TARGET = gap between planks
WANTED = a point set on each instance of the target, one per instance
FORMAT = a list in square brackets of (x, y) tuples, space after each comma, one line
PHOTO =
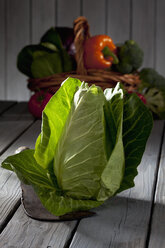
[(10, 215), (4, 106)]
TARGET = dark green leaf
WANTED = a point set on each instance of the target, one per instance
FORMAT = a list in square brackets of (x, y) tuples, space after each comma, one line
[(27, 55), (113, 173), (27, 169), (66, 61), (46, 65), (53, 37), (137, 125)]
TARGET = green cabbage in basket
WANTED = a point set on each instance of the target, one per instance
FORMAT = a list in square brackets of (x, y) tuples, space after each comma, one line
[(89, 148)]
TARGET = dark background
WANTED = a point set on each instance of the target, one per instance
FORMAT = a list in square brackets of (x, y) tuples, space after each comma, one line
[(23, 22)]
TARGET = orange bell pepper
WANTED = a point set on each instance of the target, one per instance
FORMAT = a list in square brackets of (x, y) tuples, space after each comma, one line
[(94, 48)]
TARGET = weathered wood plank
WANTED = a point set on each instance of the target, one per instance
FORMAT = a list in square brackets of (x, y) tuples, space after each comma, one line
[(5, 105), (118, 20), (28, 139), (123, 220), (95, 11), (10, 193), (9, 184), (17, 36), (18, 112), (43, 18), (160, 36), (2, 49), (143, 28), (158, 219), (22, 231), (9, 131), (67, 12)]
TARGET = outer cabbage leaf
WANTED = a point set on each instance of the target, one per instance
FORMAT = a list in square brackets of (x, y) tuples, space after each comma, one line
[(113, 173), (137, 125), (59, 205), (80, 156), (27, 169), (29, 172), (54, 117)]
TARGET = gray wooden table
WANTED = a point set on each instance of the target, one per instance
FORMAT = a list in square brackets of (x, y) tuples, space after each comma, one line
[(134, 218)]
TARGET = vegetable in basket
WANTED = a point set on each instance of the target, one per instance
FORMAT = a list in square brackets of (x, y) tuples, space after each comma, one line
[(89, 148), (66, 35), (153, 88), (38, 102), (99, 52), (46, 58), (130, 57)]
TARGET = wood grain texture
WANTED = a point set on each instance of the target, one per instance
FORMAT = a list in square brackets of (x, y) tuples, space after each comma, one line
[(123, 220), (160, 36), (9, 184), (26, 139), (10, 130), (10, 193), (158, 219), (18, 112), (143, 28), (118, 20), (42, 18), (95, 12), (6, 105), (2, 50), (17, 36), (23, 231), (67, 12)]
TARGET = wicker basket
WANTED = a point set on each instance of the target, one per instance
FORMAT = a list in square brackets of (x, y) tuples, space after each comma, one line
[(102, 78)]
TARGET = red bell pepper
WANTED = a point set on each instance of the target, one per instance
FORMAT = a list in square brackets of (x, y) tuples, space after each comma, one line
[(94, 50)]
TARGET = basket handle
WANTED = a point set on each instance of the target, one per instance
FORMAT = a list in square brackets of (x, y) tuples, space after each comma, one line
[(81, 32)]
